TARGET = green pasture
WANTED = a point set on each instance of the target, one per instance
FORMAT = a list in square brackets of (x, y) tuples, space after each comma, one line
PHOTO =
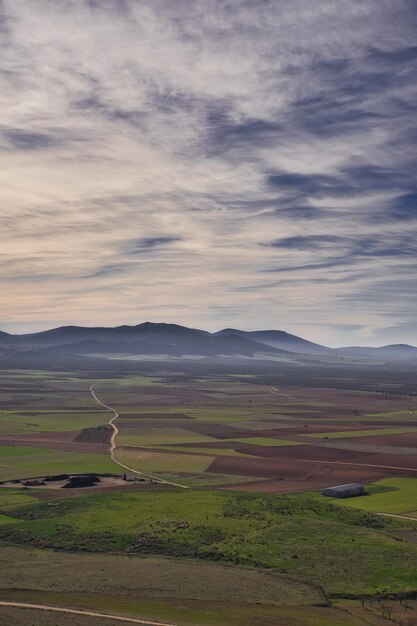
[(15, 423), (343, 550), (266, 441), (211, 451), (14, 497), (107, 384), (28, 462), (399, 498), (5, 520)]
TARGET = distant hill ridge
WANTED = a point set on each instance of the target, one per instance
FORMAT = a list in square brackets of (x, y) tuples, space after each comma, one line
[(150, 338)]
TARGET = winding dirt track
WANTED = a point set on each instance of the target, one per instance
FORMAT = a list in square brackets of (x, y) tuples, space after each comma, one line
[(46, 607), (413, 519), (113, 444)]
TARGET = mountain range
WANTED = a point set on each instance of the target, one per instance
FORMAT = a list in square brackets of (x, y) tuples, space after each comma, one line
[(171, 340)]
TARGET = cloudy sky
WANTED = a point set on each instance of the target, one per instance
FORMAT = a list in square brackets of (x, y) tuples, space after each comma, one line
[(221, 163)]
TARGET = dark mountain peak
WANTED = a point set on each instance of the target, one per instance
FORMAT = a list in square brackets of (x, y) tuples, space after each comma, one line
[(162, 327)]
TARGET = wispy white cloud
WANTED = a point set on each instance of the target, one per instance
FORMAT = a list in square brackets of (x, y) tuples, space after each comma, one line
[(152, 154)]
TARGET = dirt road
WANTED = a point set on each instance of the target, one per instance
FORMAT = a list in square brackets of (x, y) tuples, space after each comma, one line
[(55, 609), (413, 519), (113, 444)]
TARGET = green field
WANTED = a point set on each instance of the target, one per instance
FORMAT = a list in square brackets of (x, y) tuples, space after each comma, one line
[(14, 497), (210, 451), (399, 498), (11, 423), (266, 441), (25, 462)]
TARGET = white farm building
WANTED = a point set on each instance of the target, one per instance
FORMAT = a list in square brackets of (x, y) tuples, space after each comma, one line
[(344, 491)]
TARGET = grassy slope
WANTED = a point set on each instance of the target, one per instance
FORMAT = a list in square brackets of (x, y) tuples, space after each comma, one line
[(344, 551)]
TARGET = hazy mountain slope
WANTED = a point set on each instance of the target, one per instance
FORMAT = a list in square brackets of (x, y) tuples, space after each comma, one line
[(279, 339), (394, 351), (141, 332), (147, 338), (210, 346)]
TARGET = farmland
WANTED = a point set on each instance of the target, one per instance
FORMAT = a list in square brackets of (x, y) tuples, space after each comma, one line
[(197, 428), (236, 427), (391, 495), (250, 541)]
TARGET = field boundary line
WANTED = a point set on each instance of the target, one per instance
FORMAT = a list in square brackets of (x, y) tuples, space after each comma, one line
[(57, 609), (113, 444)]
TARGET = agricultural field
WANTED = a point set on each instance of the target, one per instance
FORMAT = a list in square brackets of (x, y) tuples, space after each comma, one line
[(50, 424), (249, 540), (391, 495), (280, 438), (201, 430)]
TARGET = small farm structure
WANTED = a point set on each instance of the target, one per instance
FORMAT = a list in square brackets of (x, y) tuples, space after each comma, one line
[(344, 491), (129, 477)]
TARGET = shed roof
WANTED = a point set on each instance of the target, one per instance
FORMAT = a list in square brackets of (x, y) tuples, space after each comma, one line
[(346, 487)]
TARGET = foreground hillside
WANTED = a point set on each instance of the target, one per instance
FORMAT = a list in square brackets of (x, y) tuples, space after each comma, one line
[(343, 552)]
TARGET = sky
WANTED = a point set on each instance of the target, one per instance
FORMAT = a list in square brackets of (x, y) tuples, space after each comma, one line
[(213, 164)]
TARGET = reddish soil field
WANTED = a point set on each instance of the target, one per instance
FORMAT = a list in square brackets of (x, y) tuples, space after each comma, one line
[(262, 468), (330, 477), (64, 441), (301, 469), (394, 460), (140, 426), (99, 434), (309, 453), (404, 440), (154, 416), (325, 427)]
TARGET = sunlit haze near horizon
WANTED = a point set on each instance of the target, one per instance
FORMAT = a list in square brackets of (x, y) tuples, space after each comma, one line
[(211, 164)]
